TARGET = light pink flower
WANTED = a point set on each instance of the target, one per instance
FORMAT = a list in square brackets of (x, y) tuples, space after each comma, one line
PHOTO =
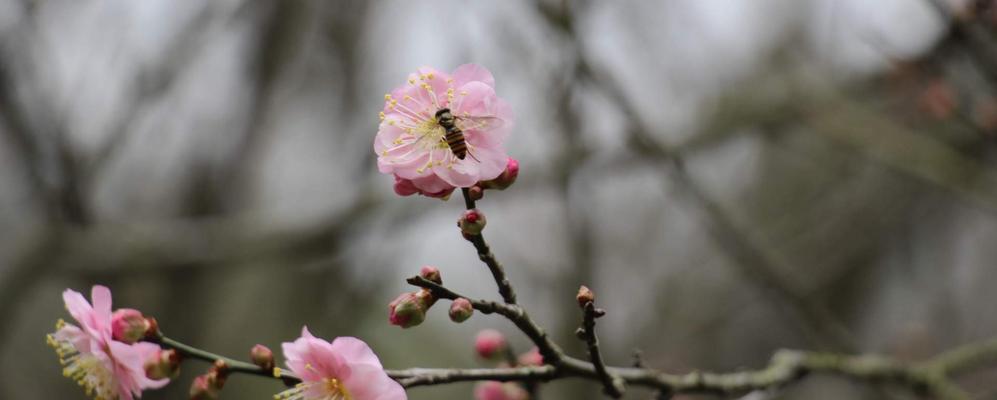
[(410, 141), (106, 368), (344, 369)]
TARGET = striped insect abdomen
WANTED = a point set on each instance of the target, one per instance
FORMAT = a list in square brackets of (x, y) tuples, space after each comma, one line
[(455, 139)]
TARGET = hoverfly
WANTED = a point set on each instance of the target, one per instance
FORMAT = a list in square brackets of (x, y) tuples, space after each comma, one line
[(454, 137)]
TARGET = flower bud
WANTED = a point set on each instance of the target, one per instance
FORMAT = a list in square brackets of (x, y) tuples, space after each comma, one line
[(164, 364), (460, 310), (506, 179), (432, 274), (407, 310), (584, 296), (489, 344), (262, 356), (471, 222), (203, 389), (531, 358), (476, 192), (128, 325), (495, 390)]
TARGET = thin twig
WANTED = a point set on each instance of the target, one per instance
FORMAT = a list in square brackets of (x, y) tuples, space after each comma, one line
[(485, 254), (234, 366), (612, 386)]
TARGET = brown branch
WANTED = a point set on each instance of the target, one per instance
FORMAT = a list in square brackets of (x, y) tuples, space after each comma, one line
[(612, 386), (550, 351), (786, 367), (486, 256), (436, 376)]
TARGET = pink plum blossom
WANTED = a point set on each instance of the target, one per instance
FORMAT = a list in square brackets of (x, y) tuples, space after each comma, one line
[(410, 141), (344, 369), (106, 368)]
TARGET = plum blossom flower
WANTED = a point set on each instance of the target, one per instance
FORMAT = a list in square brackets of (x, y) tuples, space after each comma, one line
[(345, 369), (410, 141), (106, 368)]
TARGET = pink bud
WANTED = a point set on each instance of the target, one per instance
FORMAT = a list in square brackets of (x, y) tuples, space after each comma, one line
[(164, 364), (203, 389), (584, 296), (128, 325), (407, 310), (460, 310), (489, 344), (531, 358), (431, 273), (471, 222), (262, 356), (494, 390), (476, 192), (506, 179)]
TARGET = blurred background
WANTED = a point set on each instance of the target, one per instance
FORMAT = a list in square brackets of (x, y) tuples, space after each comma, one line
[(730, 178)]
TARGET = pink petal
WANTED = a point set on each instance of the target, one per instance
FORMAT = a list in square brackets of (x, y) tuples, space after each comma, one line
[(471, 73), (354, 351), (372, 383), (475, 99), (101, 297), (78, 307)]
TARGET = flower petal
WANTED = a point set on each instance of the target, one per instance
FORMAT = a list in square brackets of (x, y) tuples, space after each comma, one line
[(472, 73)]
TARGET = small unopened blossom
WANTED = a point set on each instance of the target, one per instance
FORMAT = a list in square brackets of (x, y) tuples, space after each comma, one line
[(408, 309), (506, 179), (490, 344), (343, 369), (411, 142), (495, 390), (476, 192), (472, 222), (262, 356), (584, 296), (460, 310), (202, 388), (531, 358), (209, 385), (165, 364), (104, 367), (129, 325), (431, 274)]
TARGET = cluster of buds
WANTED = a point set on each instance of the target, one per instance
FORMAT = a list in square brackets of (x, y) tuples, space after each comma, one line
[(207, 386), (491, 345), (409, 309), (130, 326), (163, 364)]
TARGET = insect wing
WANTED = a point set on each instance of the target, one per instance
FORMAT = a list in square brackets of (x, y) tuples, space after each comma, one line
[(478, 123)]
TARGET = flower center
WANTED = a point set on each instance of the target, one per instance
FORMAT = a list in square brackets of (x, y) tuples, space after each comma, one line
[(325, 389), (87, 370)]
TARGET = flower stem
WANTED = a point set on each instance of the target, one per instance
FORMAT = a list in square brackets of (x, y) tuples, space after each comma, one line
[(234, 365), (486, 256)]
